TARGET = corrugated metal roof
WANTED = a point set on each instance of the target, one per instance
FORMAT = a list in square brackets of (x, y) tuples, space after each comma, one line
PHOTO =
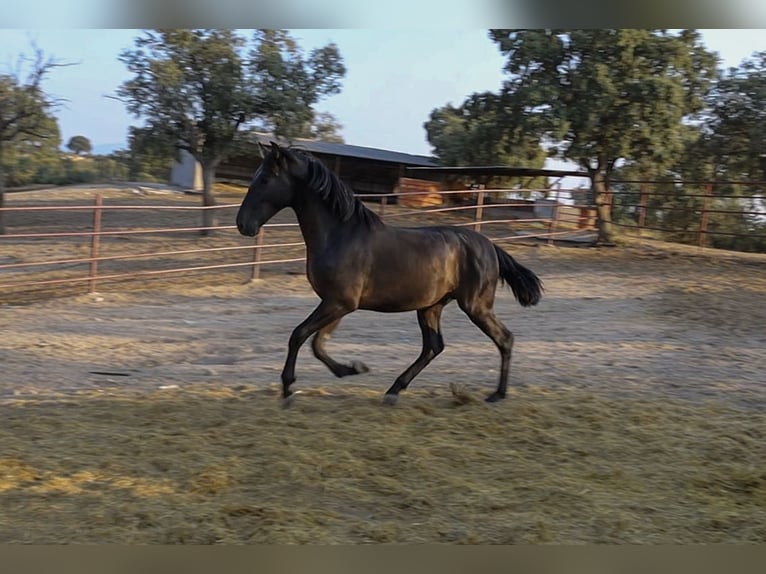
[(356, 151), (500, 170)]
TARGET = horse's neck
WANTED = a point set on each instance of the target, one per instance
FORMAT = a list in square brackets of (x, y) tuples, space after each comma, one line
[(317, 221)]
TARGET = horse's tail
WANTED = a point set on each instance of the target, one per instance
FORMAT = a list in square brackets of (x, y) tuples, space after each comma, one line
[(526, 286)]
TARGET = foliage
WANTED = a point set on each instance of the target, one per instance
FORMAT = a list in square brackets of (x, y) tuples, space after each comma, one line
[(323, 127), (79, 145), (26, 121), (600, 96), (291, 83), (477, 133), (195, 89), (727, 147), (149, 157), (735, 131)]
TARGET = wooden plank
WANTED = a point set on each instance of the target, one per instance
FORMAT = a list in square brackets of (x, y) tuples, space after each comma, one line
[(427, 192)]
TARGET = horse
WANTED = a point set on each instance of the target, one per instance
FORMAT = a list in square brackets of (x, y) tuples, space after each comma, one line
[(356, 261)]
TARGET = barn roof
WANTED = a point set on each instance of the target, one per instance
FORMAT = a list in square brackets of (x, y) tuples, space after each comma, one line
[(497, 170), (356, 151)]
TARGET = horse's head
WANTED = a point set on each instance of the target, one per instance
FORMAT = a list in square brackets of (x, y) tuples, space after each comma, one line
[(272, 189)]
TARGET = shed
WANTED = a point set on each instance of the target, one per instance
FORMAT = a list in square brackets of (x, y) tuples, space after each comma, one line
[(365, 169)]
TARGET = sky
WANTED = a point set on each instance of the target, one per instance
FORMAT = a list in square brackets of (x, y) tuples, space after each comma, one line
[(394, 78)]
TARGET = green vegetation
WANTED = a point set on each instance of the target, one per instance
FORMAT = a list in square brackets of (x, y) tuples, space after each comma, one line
[(28, 128), (195, 90)]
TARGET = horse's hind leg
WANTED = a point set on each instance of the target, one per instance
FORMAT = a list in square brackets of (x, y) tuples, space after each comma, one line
[(479, 310), (338, 369), (429, 320)]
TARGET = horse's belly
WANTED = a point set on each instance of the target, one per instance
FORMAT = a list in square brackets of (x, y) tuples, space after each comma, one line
[(406, 292)]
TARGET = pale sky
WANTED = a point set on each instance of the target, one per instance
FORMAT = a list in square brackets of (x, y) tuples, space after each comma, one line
[(394, 78)]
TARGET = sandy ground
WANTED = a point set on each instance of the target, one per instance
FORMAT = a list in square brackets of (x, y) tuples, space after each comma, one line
[(645, 320)]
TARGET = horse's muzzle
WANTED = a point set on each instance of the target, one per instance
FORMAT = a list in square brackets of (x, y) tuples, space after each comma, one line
[(247, 228)]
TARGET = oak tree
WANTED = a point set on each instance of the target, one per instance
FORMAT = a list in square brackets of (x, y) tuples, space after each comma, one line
[(599, 97), (197, 88)]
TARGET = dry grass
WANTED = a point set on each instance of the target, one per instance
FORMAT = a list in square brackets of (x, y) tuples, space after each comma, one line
[(231, 466)]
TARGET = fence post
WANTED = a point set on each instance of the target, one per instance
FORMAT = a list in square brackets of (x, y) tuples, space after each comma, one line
[(383, 201), (704, 214), (554, 219), (609, 201), (255, 271), (95, 242), (642, 208), (479, 209)]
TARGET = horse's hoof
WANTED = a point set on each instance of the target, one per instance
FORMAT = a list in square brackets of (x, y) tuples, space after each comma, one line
[(359, 367), (288, 401), (390, 399), (494, 397)]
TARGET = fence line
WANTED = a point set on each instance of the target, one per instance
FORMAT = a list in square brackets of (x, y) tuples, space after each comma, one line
[(548, 221), (23, 272), (140, 255), (703, 210)]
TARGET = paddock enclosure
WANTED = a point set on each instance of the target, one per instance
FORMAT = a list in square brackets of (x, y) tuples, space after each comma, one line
[(149, 412)]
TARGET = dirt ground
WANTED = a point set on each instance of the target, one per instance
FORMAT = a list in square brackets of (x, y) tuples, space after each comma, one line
[(647, 360), (644, 320)]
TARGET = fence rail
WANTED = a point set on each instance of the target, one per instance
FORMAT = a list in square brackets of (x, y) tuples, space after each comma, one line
[(505, 220), (691, 209), (99, 246)]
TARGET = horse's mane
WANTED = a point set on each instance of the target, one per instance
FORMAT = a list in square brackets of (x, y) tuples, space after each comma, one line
[(335, 194)]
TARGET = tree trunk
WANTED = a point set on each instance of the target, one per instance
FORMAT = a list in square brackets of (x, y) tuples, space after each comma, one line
[(2, 192), (209, 216), (603, 207)]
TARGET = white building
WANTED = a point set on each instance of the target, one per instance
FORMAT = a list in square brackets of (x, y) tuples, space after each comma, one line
[(187, 173)]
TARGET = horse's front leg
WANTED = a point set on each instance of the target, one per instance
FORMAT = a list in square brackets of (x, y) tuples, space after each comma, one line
[(337, 369), (325, 314)]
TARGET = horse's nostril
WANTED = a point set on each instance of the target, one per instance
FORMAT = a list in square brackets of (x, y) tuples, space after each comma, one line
[(246, 229)]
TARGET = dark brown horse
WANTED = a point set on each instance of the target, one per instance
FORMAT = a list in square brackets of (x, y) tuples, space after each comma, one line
[(355, 261)]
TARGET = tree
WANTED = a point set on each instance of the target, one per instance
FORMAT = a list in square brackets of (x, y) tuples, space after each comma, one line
[(323, 127), (149, 157), (26, 119), (37, 160), (197, 88), (598, 97), (79, 144), (734, 140), (292, 83), (735, 130), (478, 133)]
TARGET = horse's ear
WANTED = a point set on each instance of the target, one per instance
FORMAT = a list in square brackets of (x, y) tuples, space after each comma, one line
[(276, 150), (263, 150)]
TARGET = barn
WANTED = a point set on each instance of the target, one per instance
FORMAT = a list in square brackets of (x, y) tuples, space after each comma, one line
[(365, 169), (369, 170)]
